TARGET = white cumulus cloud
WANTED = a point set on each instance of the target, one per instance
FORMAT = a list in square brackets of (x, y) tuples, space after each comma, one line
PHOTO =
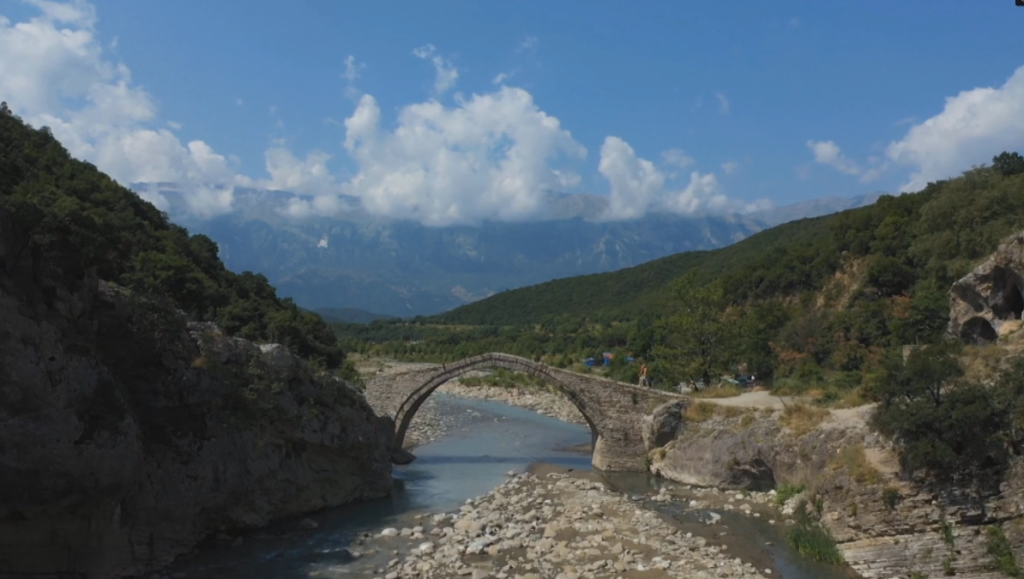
[(638, 186), (489, 157), (636, 183), (445, 72), (676, 158), (309, 176), (53, 72), (829, 153), (973, 127), (351, 73)]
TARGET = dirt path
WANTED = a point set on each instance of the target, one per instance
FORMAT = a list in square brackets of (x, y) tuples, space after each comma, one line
[(760, 399)]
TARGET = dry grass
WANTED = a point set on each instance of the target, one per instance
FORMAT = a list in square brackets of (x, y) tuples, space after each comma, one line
[(851, 399), (838, 398), (801, 418), (703, 411), (723, 392), (982, 363), (855, 461)]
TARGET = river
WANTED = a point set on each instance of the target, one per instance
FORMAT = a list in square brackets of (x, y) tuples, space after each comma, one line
[(488, 440)]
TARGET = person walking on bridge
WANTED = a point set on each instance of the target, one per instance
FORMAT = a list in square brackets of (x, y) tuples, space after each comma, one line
[(643, 375)]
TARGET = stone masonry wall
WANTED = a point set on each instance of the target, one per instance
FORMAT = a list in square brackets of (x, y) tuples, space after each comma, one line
[(614, 410)]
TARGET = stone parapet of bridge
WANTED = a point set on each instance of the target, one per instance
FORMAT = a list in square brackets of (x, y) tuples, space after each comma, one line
[(614, 410)]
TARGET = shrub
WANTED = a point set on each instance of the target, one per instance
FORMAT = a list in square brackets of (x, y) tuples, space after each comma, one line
[(890, 498), (721, 392), (787, 491), (1002, 555), (812, 540)]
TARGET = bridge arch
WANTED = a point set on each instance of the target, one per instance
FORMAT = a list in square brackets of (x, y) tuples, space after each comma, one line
[(407, 408), (616, 412)]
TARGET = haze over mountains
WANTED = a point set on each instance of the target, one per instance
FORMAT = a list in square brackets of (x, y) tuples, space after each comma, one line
[(403, 268)]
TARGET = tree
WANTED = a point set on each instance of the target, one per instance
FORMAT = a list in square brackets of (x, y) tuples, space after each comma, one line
[(952, 428), (926, 373), (928, 315), (1008, 164), (762, 323), (890, 276), (697, 338)]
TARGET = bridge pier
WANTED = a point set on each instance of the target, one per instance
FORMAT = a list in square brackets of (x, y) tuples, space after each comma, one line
[(618, 456)]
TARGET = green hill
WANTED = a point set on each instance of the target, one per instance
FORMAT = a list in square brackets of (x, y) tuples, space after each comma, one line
[(349, 315), (628, 293), (935, 234), (830, 294), (78, 221)]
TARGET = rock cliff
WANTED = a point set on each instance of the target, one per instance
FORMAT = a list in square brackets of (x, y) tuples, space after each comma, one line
[(987, 303), (128, 434), (885, 526)]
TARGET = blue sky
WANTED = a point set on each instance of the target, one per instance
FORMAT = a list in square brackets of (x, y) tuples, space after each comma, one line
[(681, 106)]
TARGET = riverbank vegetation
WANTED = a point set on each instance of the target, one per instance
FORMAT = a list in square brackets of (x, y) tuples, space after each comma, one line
[(811, 539)]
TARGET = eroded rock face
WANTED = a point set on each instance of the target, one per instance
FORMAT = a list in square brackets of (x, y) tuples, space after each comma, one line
[(664, 424), (721, 453), (128, 435), (988, 302), (885, 526)]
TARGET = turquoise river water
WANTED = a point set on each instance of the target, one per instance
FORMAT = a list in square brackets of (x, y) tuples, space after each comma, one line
[(489, 440)]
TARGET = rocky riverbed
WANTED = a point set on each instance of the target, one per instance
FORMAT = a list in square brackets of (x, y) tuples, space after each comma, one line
[(544, 402), (432, 421), (549, 524)]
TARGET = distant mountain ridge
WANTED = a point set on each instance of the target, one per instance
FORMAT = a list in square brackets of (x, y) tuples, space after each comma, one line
[(403, 268), (812, 208)]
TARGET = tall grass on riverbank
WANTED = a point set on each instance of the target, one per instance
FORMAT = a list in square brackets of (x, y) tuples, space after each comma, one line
[(812, 540)]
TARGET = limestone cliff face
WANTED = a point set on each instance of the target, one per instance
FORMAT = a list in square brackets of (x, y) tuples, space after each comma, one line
[(127, 435), (988, 302), (885, 526)]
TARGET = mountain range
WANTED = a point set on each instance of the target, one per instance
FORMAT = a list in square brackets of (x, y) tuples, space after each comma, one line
[(357, 261)]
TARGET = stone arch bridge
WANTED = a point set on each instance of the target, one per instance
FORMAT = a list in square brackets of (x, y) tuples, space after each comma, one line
[(614, 410)]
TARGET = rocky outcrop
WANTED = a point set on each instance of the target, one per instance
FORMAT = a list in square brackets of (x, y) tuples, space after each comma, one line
[(885, 526), (749, 453), (987, 303), (664, 424), (127, 435)]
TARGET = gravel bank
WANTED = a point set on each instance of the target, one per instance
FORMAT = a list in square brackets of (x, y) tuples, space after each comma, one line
[(553, 525), (543, 402), (433, 420)]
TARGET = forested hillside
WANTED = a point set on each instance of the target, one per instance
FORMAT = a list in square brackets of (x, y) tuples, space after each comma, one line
[(77, 219), (830, 294)]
